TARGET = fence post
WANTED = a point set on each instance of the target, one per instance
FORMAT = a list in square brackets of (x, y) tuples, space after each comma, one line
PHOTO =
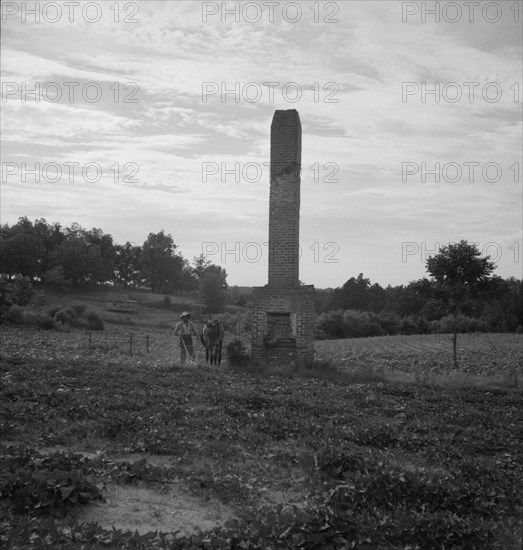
[(147, 343), (131, 343), (90, 341)]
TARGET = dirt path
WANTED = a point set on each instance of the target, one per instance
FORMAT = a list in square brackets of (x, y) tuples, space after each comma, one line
[(144, 510)]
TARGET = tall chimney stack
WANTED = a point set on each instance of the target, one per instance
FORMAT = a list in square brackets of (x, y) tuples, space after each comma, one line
[(283, 313), (284, 201)]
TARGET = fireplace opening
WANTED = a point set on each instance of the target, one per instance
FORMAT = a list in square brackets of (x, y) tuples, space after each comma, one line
[(281, 328)]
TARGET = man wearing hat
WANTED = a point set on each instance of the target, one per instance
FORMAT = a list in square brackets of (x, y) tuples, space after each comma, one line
[(185, 330)]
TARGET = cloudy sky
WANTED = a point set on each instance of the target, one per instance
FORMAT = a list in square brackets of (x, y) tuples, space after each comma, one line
[(156, 115)]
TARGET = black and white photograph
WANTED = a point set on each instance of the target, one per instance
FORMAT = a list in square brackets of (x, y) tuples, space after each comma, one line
[(261, 278)]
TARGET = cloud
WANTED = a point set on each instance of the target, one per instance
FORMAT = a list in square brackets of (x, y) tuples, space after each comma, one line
[(357, 127)]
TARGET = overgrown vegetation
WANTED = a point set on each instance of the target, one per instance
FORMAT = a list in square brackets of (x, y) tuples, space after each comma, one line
[(37, 485), (237, 353), (56, 318), (333, 455)]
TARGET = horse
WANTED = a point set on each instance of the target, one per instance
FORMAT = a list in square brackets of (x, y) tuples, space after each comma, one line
[(212, 340)]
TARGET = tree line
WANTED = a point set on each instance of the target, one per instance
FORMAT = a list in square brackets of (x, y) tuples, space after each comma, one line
[(461, 291), (72, 256), (460, 294)]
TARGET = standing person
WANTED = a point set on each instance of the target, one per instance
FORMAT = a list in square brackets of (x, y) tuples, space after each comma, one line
[(185, 330)]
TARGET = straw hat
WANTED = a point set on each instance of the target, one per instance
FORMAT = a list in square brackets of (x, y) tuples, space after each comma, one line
[(185, 314)]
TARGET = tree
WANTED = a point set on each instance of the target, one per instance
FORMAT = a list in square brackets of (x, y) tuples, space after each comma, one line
[(128, 263), (161, 266), (203, 266), (21, 249), (101, 264), (354, 294), (212, 293), (189, 278), (55, 278), (460, 274), (504, 311), (200, 264), (377, 298), (220, 273), (16, 292), (413, 297)]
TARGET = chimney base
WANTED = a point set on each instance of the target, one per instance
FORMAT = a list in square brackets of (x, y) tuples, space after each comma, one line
[(282, 326)]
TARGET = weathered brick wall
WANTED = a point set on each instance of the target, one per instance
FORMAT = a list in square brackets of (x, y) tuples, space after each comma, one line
[(284, 201)]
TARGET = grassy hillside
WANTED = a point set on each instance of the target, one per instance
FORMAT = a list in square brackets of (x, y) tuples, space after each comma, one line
[(152, 310)]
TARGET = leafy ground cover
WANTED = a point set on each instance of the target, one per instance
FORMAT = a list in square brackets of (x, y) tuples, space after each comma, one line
[(291, 459)]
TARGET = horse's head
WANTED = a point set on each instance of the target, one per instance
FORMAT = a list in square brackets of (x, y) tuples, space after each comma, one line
[(213, 325)]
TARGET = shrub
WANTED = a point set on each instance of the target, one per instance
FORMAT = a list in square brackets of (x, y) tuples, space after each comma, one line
[(126, 320), (409, 325), (241, 301), (362, 323), (82, 323), (39, 299), (331, 324), (21, 291), (15, 315), (17, 292), (45, 322), (390, 322), (79, 309), (235, 323), (237, 353), (29, 317), (350, 324), (55, 278), (94, 320), (53, 310), (448, 323), (71, 312), (20, 316), (63, 317)]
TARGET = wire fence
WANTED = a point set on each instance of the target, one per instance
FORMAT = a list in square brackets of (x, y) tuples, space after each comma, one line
[(156, 343), (114, 340), (14, 338)]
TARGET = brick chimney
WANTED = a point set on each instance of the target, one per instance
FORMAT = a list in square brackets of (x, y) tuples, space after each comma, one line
[(283, 314), (284, 201)]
